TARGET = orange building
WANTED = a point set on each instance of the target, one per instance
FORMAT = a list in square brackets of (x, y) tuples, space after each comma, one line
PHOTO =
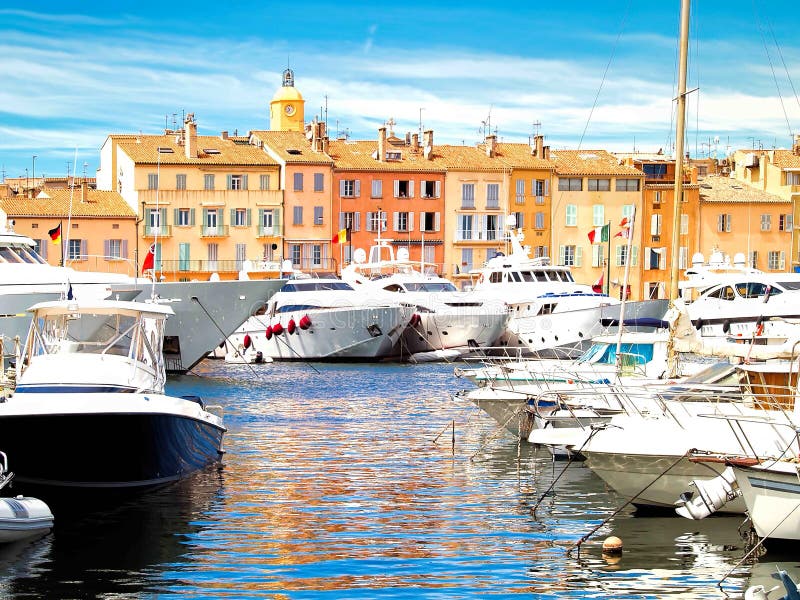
[(98, 228)]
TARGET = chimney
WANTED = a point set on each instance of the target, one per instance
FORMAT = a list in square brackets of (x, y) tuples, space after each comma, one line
[(546, 152), (382, 143), (223, 135), (538, 141), (491, 145), (415, 142), (427, 146), (84, 190), (190, 141)]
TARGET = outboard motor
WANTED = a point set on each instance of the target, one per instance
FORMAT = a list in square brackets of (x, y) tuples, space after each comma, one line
[(711, 495)]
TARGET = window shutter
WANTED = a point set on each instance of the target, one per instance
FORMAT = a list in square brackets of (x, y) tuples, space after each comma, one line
[(789, 222), (438, 189), (124, 250), (276, 221), (654, 224), (437, 221), (233, 216), (43, 248), (175, 213), (561, 253), (634, 256), (229, 181), (358, 188), (396, 188), (410, 189), (341, 187), (395, 221), (244, 182), (369, 222), (783, 260), (163, 216), (249, 220), (546, 187), (647, 254), (205, 218), (357, 221), (662, 260), (84, 252), (106, 248), (578, 256), (411, 221), (191, 216), (341, 221), (220, 214)]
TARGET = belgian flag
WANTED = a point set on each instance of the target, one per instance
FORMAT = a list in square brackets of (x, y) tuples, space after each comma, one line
[(55, 234)]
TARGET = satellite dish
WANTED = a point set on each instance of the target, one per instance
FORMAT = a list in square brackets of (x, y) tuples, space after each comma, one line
[(698, 259), (286, 266), (402, 253), (738, 259), (359, 256), (511, 221)]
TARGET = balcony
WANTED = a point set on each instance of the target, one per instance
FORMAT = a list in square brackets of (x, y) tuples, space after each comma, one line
[(267, 232), (149, 231), (474, 235), (795, 190), (214, 232)]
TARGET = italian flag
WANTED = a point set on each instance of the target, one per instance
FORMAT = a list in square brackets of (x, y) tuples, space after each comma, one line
[(598, 234)]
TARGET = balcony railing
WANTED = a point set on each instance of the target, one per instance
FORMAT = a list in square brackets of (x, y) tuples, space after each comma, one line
[(211, 232), (149, 231), (267, 232), (475, 235)]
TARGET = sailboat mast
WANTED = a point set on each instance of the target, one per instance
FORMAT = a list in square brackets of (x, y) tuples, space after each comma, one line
[(679, 136)]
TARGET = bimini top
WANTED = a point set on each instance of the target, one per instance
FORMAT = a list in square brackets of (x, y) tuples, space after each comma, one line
[(102, 307)]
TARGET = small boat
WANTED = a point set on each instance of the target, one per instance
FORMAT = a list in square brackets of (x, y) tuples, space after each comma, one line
[(21, 517)]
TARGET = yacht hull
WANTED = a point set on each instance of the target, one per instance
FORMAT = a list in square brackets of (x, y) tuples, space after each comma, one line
[(772, 496), (441, 331), (134, 447)]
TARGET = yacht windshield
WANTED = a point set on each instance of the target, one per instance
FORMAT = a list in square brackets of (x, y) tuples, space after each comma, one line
[(431, 286), (9, 256), (637, 354), (315, 286), (755, 289)]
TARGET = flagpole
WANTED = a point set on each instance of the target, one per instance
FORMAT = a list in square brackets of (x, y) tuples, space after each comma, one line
[(625, 275), (61, 240), (607, 285)]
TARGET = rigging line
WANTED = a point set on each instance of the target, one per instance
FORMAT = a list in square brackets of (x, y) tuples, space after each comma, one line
[(608, 66), (785, 68), (772, 67)]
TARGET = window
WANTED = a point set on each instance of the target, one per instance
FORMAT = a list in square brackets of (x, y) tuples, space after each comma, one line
[(294, 254), (298, 182), (621, 255), (598, 215), (267, 222), (466, 260), (429, 221), (319, 182), (240, 217), (241, 255), (572, 215), (183, 217), (208, 181), (154, 221), (519, 220), (235, 182), (376, 221), (655, 224), (599, 185), (467, 195), (752, 259), (627, 211), (569, 256), (538, 220), (520, 195), (724, 223), (316, 255), (570, 184), (377, 189), (655, 171), (792, 178), (430, 189), (464, 227), (657, 197), (402, 221), (766, 222), (539, 251), (180, 181), (627, 185), (318, 214), (297, 215), (264, 182), (114, 249), (597, 255), (76, 250), (350, 221), (492, 226), (213, 257), (212, 221), (539, 187), (152, 181), (183, 256), (683, 257), (403, 188), (776, 261), (493, 195), (655, 258), (684, 225), (784, 222), (349, 188)]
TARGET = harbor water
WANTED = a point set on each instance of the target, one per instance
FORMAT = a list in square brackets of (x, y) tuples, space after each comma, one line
[(370, 481)]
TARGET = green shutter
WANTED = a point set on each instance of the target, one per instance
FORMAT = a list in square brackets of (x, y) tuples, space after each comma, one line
[(276, 221), (244, 182), (249, 220), (191, 216), (229, 180)]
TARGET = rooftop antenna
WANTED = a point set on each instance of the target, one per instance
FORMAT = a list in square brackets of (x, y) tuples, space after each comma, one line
[(4, 173), (326, 114), (390, 124), (420, 121), (487, 124), (174, 121), (86, 164)]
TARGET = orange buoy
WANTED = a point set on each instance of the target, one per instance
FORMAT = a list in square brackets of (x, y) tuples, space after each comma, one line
[(612, 546)]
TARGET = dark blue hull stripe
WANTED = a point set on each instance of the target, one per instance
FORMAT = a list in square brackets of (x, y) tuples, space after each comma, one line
[(774, 486), (74, 389)]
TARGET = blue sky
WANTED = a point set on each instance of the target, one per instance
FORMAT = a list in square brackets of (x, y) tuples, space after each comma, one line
[(596, 74)]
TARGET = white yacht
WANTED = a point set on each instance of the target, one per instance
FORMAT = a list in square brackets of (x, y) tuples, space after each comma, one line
[(324, 318), (549, 310), (205, 311), (90, 386), (448, 319)]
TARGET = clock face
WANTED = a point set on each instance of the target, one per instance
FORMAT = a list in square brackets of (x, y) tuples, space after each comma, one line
[(289, 109)]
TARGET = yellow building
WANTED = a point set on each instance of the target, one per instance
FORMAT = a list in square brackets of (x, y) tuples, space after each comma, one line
[(775, 172), (199, 199), (593, 189), (98, 228)]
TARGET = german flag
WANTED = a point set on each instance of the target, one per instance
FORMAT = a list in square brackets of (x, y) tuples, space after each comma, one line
[(55, 234)]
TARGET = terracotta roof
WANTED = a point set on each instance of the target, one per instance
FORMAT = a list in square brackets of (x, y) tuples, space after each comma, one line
[(56, 203), (359, 156), (785, 159), (292, 147), (590, 162), (520, 156), (726, 190), (143, 149)]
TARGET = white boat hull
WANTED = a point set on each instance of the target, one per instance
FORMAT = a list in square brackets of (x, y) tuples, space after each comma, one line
[(22, 518), (772, 496), (459, 329)]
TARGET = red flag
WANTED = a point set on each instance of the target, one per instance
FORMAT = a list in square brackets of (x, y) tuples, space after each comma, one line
[(625, 233), (149, 260), (624, 222), (597, 288)]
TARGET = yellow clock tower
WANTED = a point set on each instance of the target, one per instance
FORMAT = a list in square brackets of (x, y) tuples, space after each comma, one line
[(286, 110)]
